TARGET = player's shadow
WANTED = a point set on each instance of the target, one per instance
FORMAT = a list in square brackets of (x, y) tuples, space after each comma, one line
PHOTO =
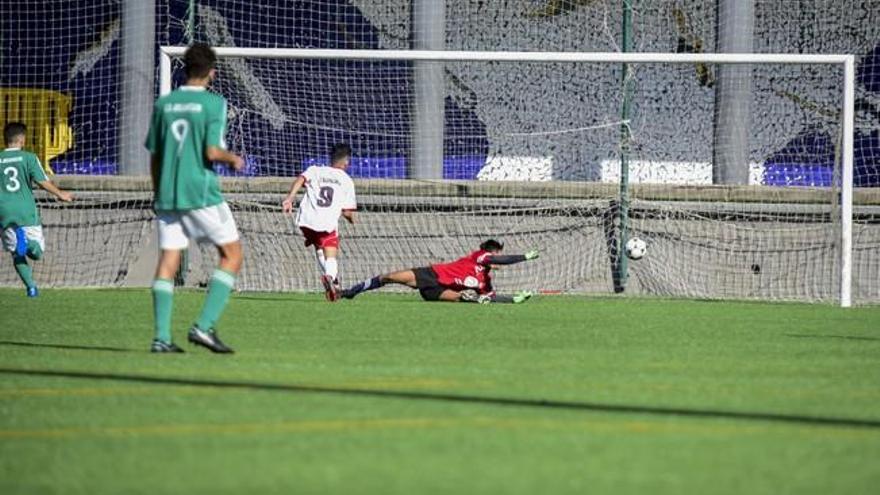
[(404, 298), (67, 347), (465, 399), (818, 336)]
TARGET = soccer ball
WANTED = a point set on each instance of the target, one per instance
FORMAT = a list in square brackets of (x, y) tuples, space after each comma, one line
[(636, 248)]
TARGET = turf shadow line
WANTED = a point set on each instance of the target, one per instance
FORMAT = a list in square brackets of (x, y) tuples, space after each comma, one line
[(818, 336), (65, 346), (498, 401)]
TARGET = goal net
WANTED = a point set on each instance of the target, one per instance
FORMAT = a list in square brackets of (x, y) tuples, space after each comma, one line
[(547, 173)]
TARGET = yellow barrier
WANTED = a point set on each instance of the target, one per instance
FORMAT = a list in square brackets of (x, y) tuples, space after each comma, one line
[(45, 113)]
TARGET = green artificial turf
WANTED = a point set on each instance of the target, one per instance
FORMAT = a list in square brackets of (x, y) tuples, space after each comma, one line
[(387, 394)]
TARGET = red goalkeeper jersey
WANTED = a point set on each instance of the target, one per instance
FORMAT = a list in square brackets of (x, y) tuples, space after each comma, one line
[(469, 272)]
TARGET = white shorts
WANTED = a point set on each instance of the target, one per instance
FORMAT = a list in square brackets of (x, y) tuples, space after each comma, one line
[(214, 224), (32, 233)]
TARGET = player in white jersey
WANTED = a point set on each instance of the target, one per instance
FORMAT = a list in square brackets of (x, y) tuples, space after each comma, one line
[(329, 192)]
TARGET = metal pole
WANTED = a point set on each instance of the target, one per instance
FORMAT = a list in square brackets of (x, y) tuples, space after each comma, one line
[(164, 73), (846, 186), (733, 94), (426, 149), (625, 139), (137, 73), (191, 22)]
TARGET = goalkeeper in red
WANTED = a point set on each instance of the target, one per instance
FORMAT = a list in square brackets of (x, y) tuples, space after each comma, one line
[(468, 279), (187, 135)]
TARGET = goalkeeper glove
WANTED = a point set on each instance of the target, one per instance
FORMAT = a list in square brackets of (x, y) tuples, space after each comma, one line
[(522, 296), (531, 255)]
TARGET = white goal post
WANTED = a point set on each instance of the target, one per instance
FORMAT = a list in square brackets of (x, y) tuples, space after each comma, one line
[(846, 122)]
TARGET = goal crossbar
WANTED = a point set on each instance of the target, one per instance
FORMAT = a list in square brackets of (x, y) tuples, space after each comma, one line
[(847, 61), (490, 56)]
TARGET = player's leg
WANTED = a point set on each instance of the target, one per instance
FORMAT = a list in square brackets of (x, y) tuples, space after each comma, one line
[(35, 243), (25, 273), (221, 285), (331, 266), (314, 239), (331, 271), (172, 240), (216, 224), (15, 242), (402, 277), (319, 258)]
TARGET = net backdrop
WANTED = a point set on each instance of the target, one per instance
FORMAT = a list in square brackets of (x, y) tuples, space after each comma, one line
[(510, 125)]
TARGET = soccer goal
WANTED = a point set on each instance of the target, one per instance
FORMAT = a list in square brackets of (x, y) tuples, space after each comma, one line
[(572, 153)]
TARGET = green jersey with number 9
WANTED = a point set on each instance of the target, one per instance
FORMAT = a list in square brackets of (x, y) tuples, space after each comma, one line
[(184, 123), (18, 170)]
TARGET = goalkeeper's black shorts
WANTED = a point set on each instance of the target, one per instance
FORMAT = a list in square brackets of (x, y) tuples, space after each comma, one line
[(426, 281)]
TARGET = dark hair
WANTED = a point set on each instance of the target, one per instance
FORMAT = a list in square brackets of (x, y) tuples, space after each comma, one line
[(339, 151), (199, 59), (13, 130), (491, 245)]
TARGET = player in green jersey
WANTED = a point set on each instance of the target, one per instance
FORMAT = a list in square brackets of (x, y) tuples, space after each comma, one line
[(20, 225), (186, 135)]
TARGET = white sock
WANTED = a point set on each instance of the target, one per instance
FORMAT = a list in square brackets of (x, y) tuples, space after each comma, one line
[(331, 268), (319, 256)]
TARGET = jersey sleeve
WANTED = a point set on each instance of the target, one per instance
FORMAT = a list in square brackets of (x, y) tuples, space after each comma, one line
[(36, 171), (503, 259), (152, 142), (309, 174), (483, 257), (216, 135)]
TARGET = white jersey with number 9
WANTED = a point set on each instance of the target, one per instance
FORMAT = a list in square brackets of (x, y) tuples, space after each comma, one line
[(329, 191)]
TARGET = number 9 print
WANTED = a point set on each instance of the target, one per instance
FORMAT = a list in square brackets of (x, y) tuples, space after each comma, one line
[(325, 196)]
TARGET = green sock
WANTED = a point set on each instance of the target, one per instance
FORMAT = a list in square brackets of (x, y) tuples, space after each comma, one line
[(34, 251), (163, 301), (218, 295), (24, 271)]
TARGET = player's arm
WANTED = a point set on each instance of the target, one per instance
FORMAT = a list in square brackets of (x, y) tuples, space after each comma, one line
[(52, 189), (508, 259), (215, 142), (518, 298), (155, 171), (215, 154), (152, 145), (38, 175), (349, 202), (349, 215), (287, 203)]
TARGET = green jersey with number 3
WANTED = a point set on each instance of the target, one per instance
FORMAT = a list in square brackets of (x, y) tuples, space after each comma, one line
[(185, 122), (18, 171)]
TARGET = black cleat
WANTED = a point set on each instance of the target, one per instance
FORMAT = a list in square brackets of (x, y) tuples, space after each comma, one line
[(347, 294), (159, 346), (208, 340)]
